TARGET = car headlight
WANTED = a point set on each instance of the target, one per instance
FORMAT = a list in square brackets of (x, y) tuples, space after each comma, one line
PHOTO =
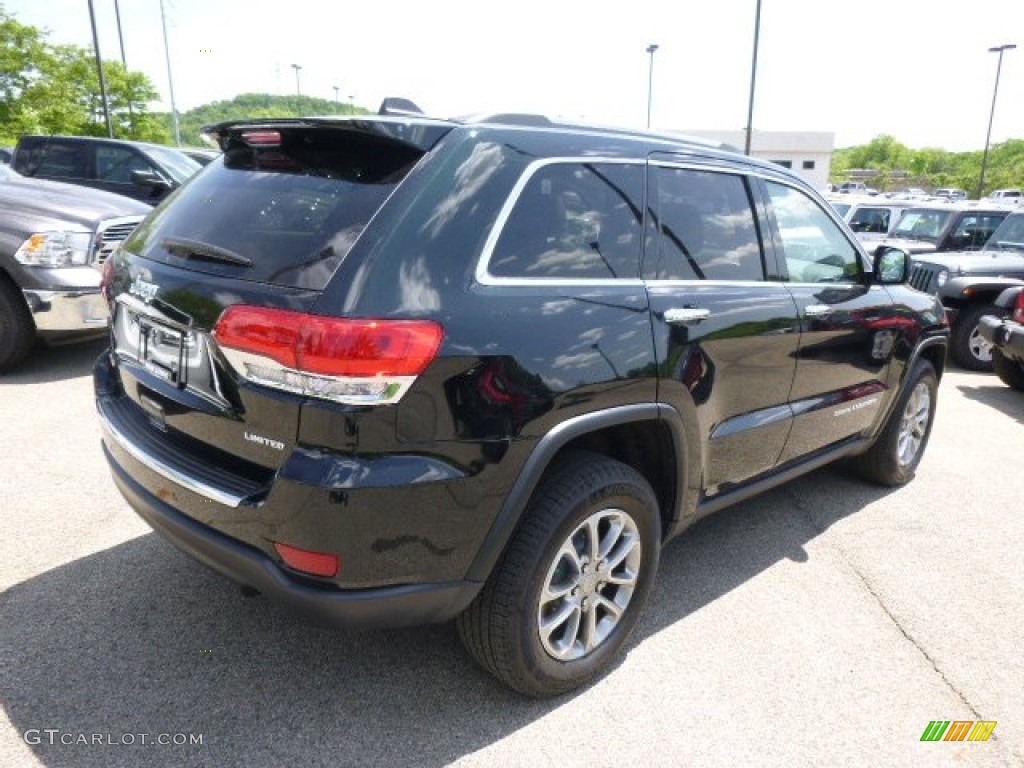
[(55, 249), (942, 277)]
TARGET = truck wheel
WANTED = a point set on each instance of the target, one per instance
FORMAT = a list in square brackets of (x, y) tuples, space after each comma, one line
[(894, 457), (570, 586), (968, 347), (1010, 371), (17, 331)]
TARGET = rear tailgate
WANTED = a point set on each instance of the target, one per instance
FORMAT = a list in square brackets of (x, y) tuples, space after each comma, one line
[(264, 226)]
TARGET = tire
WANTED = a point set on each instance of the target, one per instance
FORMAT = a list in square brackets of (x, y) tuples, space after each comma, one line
[(17, 331), (968, 348), (1010, 371), (894, 457), (539, 641)]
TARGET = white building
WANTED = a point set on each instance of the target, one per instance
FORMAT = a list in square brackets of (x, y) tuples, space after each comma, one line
[(809, 153)]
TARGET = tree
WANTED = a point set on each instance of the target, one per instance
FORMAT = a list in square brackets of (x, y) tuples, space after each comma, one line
[(55, 89), (22, 49), (256, 105)]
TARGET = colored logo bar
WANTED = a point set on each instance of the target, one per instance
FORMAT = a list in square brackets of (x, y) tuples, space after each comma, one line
[(958, 730)]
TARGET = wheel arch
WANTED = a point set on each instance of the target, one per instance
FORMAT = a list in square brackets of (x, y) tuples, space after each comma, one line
[(649, 437)]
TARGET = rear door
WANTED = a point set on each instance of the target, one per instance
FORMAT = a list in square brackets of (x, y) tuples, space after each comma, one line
[(849, 327), (725, 334)]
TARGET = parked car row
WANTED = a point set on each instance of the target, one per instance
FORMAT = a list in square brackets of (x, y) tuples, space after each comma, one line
[(965, 253), (66, 203), (146, 172), (54, 238)]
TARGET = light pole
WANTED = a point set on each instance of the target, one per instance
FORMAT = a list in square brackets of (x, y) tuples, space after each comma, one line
[(995, 91), (336, 89), (297, 67), (170, 80), (650, 81), (753, 77), (99, 70)]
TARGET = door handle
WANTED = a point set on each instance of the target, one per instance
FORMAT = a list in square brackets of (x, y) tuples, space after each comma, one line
[(817, 310), (686, 315)]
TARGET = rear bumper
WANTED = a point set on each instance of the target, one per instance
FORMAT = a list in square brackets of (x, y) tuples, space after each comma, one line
[(1005, 335), (394, 606)]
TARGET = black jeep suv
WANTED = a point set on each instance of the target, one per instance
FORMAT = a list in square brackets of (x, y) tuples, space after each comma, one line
[(398, 370)]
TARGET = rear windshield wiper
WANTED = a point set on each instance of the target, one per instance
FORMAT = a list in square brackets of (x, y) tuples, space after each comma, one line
[(193, 249)]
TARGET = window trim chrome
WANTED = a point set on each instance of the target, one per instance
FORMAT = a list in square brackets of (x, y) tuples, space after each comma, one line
[(482, 273)]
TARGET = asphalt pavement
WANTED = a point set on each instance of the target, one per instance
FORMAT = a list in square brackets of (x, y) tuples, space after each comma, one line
[(825, 623)]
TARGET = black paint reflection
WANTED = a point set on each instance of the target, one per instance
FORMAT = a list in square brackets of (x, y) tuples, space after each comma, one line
[(496, 399)]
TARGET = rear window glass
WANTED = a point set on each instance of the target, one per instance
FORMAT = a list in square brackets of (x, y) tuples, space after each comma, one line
[(291, 210)]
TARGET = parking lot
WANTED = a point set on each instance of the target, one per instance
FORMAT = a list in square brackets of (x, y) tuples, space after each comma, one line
[(825, 623)]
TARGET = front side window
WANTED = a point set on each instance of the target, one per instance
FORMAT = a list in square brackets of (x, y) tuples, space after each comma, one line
[(116, 164), (815, 248), (705, 227), (574, 220)]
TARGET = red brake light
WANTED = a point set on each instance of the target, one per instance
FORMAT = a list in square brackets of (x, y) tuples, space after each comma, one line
[(1018, 308), (345, 359), (308, 561), (262, 138)]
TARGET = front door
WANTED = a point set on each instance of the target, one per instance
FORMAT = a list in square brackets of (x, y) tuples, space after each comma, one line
[(849, 328)]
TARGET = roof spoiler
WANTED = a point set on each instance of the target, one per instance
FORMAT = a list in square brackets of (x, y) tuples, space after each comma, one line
[(396, 105)]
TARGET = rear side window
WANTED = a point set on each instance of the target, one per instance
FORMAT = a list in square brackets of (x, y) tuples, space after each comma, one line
[(574, 220), (874, 220), (291, 210), (974, 230), (54, 160), (705, 227)]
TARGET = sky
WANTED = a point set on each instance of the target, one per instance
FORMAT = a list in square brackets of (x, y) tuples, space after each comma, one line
[(919, 70)]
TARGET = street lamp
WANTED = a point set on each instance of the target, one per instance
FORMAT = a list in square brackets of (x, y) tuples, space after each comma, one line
[(297, 67), (99, 70), (170, 80), (650, 81), (753, 77), (988, 136), (336, 89)]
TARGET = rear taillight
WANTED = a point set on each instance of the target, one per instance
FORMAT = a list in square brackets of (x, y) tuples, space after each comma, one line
[(348, 360), (1018, 308)]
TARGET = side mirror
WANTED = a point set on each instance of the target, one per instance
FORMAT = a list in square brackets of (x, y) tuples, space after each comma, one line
[(892, 265), (149, 179)]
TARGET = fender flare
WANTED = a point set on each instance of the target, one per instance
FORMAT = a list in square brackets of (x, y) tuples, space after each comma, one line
[(544, 452)]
